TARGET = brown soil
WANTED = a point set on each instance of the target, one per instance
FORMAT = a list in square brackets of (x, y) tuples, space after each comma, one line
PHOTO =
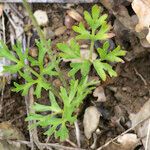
[(126, 94)]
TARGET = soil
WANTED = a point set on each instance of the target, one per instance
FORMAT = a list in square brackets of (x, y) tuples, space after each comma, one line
[(125, 94)]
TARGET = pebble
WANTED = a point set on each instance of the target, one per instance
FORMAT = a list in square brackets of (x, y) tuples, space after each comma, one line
[(33, 52), (41, 17), (91, 121), (59, 31)]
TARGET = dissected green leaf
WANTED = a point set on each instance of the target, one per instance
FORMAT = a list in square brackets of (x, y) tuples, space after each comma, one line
[(13, 68), (33, 61), (102, 33), (85, 67), (4, 52), (95, 20), (103, 51), (75, 68), (42, 51), (83, 33), (113, 55), (23, 87), (49, 70), (95, 12), (58, 119), (62, 133), (41, 108), (101, 67), (71, 51), (54, 105), (41, 83)]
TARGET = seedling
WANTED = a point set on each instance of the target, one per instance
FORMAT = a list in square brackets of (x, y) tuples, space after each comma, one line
[(98, 30), (65, 101)]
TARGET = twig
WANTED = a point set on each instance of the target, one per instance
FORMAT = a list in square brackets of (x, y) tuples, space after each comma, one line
[(13, 7), (94, 142), (148, 136), (10, 20), (2, 94), (142, 78), (71, 143), (30, 132), (52, 1), (3, 23), (28, 101), (77, 133), (47, 145), (112, 140), (3, 78), (33, 131)]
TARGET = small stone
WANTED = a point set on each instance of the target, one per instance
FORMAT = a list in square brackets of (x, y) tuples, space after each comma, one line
[(90, 121), (59, 31), (41, 17), (33, 52)]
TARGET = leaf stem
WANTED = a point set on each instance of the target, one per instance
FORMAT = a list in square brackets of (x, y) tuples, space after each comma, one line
[(32, 71), (31, 16), (92, 45), (42, 37)]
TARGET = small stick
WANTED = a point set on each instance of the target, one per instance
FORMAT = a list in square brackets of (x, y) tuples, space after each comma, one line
[(52, 1), (28, 101), (3, 78), (106, 144), (2, 94), (142, 78), (71, 143), (47, 145), (148, 136), (3, 23), (77, 133), (95, 141), (13, 7), (10, 20)]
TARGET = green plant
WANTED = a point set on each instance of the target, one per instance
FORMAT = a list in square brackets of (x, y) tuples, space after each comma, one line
[(98, 30), (26, 71), (59, 117), (65, 101)]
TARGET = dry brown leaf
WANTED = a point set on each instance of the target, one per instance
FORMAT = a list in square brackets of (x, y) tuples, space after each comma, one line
[(142, 9), (127, 141), (9, 132), (75, 15), (99, 92), (69, 22), (143, 127)]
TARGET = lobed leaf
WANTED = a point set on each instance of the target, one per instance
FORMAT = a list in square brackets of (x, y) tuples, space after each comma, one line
[(101, 67), (71, 51), (112, 56)]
